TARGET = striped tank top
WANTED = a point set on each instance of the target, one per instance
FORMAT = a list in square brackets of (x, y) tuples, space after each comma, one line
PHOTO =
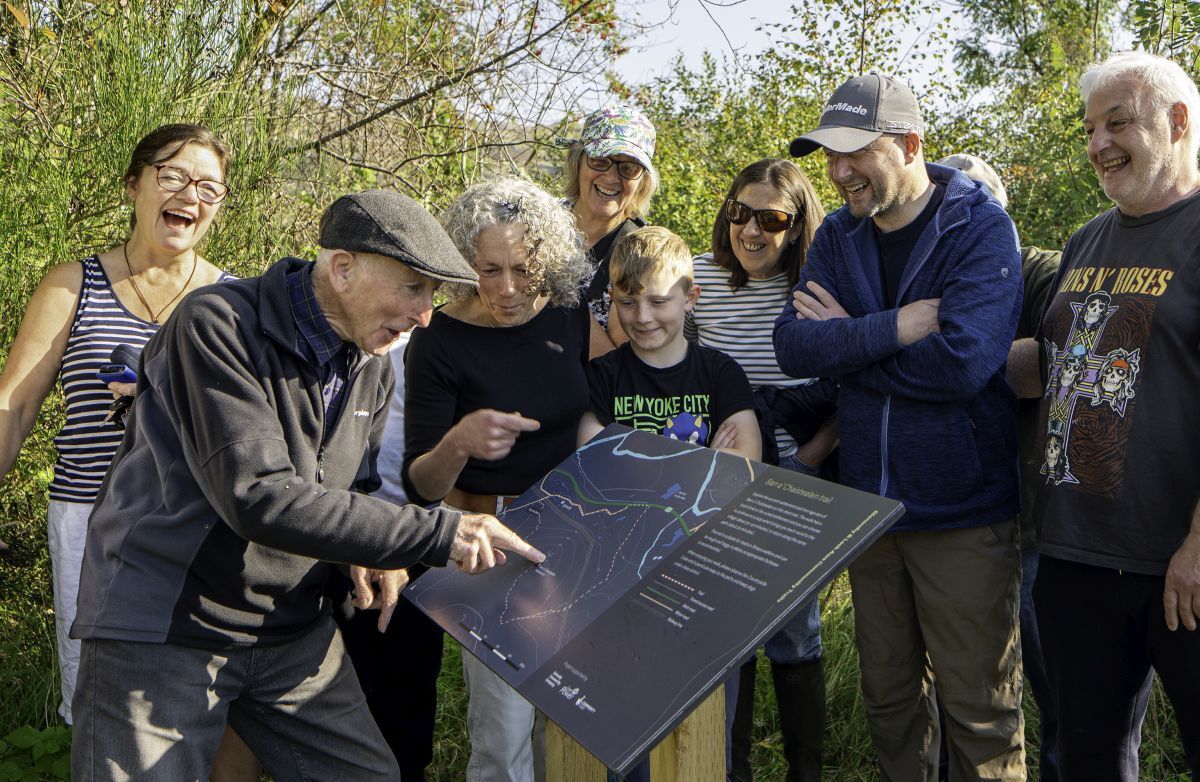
[(741, 325), (86, 445)]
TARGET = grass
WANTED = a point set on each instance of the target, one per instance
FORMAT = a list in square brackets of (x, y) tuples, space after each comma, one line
[(848, 753), (29, 679), (28, 665)]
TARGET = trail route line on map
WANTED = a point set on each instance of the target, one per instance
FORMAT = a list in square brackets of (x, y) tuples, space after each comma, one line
[(604, 525)]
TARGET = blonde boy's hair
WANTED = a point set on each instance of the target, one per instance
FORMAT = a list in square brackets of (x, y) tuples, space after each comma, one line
[(646, 252)]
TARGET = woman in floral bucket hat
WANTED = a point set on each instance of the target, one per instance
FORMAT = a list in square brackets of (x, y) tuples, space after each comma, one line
[(610, 179)]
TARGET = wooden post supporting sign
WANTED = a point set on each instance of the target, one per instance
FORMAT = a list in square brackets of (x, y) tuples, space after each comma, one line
[(693, 752)]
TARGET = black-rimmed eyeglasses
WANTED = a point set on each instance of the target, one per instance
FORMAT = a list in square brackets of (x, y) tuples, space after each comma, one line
[(174, 179)]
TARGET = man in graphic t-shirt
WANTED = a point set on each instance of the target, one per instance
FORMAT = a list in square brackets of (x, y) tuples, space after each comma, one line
[(1118, 585)]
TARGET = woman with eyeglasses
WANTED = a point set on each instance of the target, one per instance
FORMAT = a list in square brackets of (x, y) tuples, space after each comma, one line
[(762, 231), (610, 179), (76, 318)]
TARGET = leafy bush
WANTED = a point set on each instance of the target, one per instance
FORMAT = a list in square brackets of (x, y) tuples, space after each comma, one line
[(31, 754)]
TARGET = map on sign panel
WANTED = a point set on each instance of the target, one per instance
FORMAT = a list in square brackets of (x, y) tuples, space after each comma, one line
[(605, 524), (666, 565)]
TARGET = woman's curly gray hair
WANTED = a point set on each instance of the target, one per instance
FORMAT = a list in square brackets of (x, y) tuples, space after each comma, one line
[(557, 260)]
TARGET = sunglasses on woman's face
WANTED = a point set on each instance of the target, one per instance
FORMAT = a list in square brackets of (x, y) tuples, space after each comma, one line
[(629, 170), (770, 221)]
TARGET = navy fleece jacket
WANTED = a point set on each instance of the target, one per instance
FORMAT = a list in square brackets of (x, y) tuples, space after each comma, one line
[(932, 424)]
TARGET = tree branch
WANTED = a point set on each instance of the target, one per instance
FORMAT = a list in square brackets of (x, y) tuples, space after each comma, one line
[(437, 86)]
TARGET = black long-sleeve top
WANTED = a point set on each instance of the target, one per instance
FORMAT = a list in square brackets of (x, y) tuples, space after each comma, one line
[(453, 368)]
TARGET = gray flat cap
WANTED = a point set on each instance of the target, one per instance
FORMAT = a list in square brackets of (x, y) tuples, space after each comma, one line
[(388, 223)]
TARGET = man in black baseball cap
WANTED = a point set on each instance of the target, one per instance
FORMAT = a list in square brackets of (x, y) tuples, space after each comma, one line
[(909, 296), (872, 134), (260, 409)]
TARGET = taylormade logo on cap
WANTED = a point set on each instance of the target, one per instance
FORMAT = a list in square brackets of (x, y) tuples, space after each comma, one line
[(845, 107), (858, 112)]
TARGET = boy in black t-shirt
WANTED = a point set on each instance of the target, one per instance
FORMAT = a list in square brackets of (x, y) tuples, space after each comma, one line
[(658, 382)]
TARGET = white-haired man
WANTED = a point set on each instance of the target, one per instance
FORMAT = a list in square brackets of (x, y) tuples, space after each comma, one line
[(1118, 584), (259, 413)]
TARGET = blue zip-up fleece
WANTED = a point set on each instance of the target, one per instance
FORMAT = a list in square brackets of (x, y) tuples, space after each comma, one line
[(934, 424)]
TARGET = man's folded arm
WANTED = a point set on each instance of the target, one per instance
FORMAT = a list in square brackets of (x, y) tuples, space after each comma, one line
[(835, 347), (976, 318)]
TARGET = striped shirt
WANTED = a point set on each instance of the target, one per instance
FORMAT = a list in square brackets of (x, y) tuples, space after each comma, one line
[(741, 325), (85, 443)]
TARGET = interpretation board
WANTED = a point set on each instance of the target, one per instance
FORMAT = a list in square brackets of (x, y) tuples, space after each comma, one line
[(666, 565)]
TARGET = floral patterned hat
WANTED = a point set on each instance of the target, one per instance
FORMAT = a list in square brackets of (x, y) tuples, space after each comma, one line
[(617, 129)]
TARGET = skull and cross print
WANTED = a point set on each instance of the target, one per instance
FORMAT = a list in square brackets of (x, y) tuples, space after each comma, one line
[(1093, 372)]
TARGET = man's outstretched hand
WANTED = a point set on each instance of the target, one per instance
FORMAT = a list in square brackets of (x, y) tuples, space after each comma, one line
[(480, 542), (390, 583)]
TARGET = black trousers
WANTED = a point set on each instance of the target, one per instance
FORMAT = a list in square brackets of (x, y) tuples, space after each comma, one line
[(1103, 631), (398, 672)]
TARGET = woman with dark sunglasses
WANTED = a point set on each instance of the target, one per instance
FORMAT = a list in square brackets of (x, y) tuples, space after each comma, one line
[(762, 231), (610, 179), (79, 314)]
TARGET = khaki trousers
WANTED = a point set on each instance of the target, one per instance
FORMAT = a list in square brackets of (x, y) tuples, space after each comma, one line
[(935, 620)]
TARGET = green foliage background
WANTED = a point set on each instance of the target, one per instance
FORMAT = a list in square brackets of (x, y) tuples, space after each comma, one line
[(433, 86)]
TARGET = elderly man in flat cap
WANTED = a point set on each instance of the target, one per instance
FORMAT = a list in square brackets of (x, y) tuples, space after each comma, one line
[(909, 297), (260, 408)]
